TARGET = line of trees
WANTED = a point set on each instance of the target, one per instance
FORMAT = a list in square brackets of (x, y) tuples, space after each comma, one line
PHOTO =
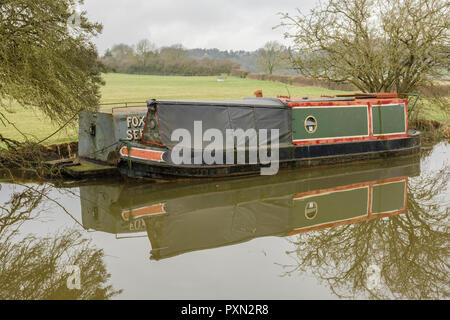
[(146, 58)]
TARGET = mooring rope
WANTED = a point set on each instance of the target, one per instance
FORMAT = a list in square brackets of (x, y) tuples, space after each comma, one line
[(60, 128), (103, 149)]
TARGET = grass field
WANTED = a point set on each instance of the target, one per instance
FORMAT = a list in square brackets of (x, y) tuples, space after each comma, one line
[(134, 88), (430, 111), (141, 88)]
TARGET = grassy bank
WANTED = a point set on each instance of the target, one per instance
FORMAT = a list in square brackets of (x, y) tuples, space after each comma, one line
[(124, 87), (427, 110)]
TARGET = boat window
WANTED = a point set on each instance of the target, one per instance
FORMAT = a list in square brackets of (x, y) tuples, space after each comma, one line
[(310, 124), (311, 210)]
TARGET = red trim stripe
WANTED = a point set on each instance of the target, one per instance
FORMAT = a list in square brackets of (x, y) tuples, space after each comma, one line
[(345, 222), (144, 154), (342, 188), (369, 109), (345, 103), (144, 212), (339, 140)]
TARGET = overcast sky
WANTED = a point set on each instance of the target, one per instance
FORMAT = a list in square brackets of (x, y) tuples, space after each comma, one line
[(223, 24)]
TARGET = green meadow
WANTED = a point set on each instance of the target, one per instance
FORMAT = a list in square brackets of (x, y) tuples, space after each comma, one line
[(139, 88), (124, 87)]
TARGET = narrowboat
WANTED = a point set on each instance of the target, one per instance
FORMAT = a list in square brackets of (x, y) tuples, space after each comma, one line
[(195, 215), (199, 139)]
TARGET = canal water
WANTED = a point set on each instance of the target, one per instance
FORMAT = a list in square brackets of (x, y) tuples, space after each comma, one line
[(376, 229)]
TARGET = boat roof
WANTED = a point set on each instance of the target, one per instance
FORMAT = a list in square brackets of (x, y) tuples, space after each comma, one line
[(120, 110), (246, 102), (283, 102)]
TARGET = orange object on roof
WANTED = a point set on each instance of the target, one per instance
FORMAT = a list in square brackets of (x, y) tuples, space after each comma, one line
[(386, 95), (258, 93)]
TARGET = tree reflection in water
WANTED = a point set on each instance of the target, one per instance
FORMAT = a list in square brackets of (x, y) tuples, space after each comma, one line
[(411, 251), (34, 267)]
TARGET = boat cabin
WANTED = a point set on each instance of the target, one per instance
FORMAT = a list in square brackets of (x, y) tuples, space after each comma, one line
[(222, 138)]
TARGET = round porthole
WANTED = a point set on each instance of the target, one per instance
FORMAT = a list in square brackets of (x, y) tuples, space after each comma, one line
[(310, 124), (311, 210)]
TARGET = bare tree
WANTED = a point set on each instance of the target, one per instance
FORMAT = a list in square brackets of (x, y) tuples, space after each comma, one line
[(271, 57), (411, 250), (144, 49), (122, 51), (47, 59), (33, 267), (174, 52), (376, 45)]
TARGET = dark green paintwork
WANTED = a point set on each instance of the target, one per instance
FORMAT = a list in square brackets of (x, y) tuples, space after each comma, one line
[(388, 197), (335, 206), (388, 119), (331, 122)]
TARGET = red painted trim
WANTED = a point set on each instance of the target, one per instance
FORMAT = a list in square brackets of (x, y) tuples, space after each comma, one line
[(327, 141), (406, 115), (345, 103), (382, 95), (338, 140), (345, 222), (154, 143), (155, 209), (145, 154), (319, 192), (369, 118), (391, 136), (384, 181)]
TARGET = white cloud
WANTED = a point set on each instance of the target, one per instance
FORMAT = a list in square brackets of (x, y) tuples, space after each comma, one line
[(221, 24)]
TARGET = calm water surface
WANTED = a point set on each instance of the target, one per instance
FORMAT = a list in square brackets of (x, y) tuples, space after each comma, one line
[(367, 230)]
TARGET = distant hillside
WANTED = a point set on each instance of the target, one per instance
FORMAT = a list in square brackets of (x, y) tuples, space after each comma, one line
[(247, 59)]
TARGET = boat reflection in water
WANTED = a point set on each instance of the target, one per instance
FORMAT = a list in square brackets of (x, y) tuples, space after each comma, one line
[(187, 216)]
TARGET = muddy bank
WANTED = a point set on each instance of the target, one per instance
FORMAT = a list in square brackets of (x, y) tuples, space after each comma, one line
[(432, 130), (28, 152), (32, 159)]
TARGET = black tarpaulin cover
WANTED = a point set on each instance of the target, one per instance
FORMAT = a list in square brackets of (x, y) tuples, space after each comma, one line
[(250, 113)]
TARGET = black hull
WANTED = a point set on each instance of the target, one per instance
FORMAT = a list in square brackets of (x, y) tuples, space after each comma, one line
[(290, 157)]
